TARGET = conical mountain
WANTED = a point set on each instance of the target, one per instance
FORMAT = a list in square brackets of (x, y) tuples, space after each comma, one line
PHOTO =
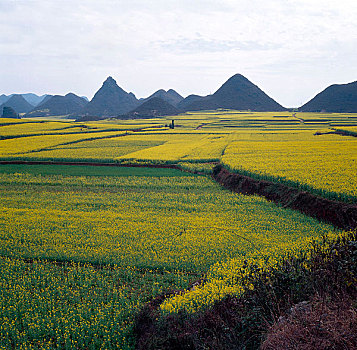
[(110, 100), (18, 103), (237, 93), (4, 98), (337, 98), (45, 99), (174, 97), (33, 99), (183, 105), (69, 104), (171, 96), (155, 107)]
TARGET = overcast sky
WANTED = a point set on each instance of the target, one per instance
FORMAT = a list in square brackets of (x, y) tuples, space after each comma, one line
[(291, 49)]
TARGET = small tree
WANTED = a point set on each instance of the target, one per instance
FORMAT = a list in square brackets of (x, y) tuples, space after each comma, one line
[(8, 112)]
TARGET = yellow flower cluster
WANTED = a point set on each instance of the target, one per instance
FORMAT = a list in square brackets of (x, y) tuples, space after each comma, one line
[(158, 222), (279, 145), (184, 147), (226, 278), (186, 224), (327, 162), (36, 146), (123, 240), (73, 306)]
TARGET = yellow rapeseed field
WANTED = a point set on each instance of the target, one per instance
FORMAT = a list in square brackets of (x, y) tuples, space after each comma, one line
[(80, 255), (326, 163), (126, 239), (139, 221), (32, 146), (74, 306), (198, 147), (276, 146)]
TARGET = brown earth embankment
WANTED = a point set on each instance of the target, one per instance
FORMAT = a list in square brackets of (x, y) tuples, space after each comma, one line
[(339, 214)]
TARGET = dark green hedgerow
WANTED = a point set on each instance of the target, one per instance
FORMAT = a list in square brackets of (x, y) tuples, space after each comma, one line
[(345, 132), (328, 271)]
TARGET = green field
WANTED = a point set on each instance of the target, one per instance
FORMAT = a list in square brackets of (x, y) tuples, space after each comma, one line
[(85, 170)]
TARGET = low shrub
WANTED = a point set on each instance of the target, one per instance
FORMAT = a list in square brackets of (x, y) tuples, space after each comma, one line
[(326, 273)]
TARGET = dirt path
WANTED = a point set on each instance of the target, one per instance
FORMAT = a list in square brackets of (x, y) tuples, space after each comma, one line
[(201, 126), (299, 119)]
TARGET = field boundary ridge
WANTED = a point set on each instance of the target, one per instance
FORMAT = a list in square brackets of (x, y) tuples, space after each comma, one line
[(127, 165), (339, 214)]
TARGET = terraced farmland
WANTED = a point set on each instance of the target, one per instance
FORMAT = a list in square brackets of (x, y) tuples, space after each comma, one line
[(125, 231), (83, 248)]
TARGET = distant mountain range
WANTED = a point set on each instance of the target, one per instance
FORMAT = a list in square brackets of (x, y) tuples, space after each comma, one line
[(59, 105), (112, 101), (170, 96), (154, 107), (236, 93), (31, 98), (17, 103), (334, 99), (188, 101), (34, 99), (47, 97), (3, 98)]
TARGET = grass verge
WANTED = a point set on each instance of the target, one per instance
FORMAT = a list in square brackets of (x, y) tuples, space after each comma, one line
[(87, 170)]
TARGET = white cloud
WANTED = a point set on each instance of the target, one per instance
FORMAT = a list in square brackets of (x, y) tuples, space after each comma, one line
[(289, 48)]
